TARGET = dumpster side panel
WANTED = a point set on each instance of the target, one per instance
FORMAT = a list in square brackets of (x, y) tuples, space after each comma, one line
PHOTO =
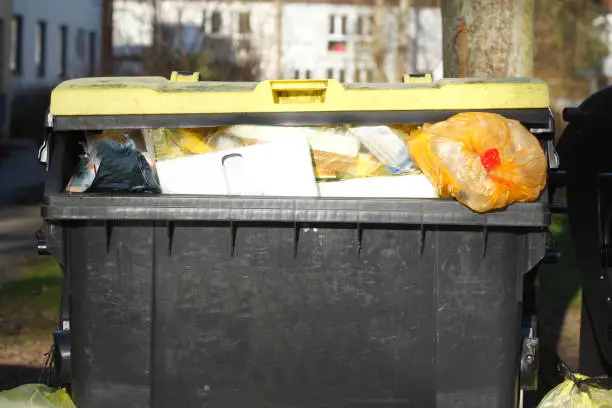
[(479, 289), (319, 324), (111, 271), (266, 315)]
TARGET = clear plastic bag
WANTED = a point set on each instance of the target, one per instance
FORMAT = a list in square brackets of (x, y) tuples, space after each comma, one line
[(35, 396), (483, 160), (175, 143), (387, 146)]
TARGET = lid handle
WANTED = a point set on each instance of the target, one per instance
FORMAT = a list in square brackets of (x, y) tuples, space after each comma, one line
[(180, 76), (418, 78), (299, 91)]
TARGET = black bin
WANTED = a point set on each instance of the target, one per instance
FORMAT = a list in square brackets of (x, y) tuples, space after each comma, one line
[(585, 149), (241, 302)]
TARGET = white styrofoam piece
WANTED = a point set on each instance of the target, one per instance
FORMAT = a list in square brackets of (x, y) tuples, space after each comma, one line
[(335, 142), (282, 168), (270, 133), (408, 186)]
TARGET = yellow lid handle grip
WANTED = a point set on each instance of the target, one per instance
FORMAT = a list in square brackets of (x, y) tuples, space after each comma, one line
[(185, 76), (418, 78), (299, 92)]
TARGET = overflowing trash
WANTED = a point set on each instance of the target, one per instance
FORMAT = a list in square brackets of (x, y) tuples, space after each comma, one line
[(579, 391), (35, 396), (485, 161)]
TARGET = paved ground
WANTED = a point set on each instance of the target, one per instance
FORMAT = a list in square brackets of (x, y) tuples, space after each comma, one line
[(21, 176), (17, 243), (21, 186), (22, 353)]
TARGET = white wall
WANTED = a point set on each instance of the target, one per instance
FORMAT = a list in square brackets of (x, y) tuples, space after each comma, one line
[(132, 22), (81, 17)]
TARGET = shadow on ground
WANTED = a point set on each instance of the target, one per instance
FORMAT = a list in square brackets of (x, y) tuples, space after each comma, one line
[(12, 376), (559, 305)]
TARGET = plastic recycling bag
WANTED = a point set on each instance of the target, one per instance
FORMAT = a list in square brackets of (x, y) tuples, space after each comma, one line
[(35, 396), (483, 160), (115, 161), (121, 168), (579, 391)]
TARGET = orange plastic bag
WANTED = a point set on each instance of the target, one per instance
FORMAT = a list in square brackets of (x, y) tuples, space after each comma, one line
[(483, 160)]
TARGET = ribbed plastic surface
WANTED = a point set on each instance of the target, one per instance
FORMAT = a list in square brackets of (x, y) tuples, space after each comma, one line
[(270, 314)]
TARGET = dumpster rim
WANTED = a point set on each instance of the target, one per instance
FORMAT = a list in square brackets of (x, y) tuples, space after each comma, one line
[(531, 116), (66, 207)]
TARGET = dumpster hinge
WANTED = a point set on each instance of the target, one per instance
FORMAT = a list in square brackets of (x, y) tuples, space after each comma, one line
[(42, 245), (529, 364), (62, 356)]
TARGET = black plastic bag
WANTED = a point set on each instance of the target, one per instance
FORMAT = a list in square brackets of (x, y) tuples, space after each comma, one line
[(121, 168)]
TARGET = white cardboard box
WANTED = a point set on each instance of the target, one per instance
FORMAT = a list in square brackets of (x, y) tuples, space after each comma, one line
[(408, 186), (280, 168)]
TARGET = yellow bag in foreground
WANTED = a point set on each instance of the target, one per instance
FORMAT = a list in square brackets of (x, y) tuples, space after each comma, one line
[(483, 160), (35, 396), (578, 392)]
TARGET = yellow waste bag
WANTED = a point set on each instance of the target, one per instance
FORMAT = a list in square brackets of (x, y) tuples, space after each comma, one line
[(35, 396), (483, 160), (579, 391)]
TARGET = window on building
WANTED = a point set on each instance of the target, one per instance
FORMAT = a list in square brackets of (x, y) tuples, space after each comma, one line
[(343, 25), (244, 23), (307, 74), (40, 48), (296, 74), (332, 21), (203, 26), (15, 62), (63, 51), (93, 53), (80, 43), (216, 22), (371, 25), (1, 45), (336, 46), (342, 76), (369, 74), (359, 26), (330, 73)]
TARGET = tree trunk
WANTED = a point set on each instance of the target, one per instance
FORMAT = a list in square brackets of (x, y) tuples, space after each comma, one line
[(402, 38), (380, 49), (107, 38), (488, 38), (278, 7)]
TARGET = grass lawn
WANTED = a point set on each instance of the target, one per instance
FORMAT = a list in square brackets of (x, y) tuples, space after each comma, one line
[(30, 310)]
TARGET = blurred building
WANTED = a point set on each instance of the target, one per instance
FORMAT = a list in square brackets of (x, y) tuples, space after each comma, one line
[(5, 73), (54, 40), (51, 40), (351, 41)]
